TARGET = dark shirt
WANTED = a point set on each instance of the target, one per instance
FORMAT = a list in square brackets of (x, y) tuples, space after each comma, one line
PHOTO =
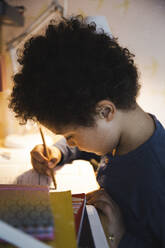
[(136, 182)]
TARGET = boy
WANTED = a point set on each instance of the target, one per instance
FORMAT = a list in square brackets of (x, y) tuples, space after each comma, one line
[(83, 84)]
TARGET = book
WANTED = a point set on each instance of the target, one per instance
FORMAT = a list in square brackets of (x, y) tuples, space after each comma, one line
[(78, 204), (97, 231), (65, 235), (92, 232), (27, 208)]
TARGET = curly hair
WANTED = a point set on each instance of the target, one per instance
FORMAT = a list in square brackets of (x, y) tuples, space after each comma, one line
[(68, 70)]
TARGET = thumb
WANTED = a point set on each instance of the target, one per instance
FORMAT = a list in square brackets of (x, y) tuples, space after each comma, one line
[(52, 163)]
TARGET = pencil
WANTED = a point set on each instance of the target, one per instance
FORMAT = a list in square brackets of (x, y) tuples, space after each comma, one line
[(47, 155)]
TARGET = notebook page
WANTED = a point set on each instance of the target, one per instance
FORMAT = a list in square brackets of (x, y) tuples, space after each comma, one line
[(16, 168)]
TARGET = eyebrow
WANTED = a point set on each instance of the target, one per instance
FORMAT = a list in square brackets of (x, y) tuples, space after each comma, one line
[(68, 136)]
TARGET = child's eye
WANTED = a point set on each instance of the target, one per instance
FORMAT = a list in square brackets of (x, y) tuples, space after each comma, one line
[(70, 141), (69, 137)]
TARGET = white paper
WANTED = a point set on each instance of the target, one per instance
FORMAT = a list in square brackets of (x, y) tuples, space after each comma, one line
[(77, 176), (96, 228), (14, 165)]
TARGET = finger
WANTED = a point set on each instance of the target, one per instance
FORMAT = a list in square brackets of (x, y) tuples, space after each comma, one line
[(54, 155), (91, 194), (95, 194), (52, 163), (101, 205), (39, 157), (101, 196), (92, 199), (39, 167), (104, 208), (48, 172), (38, 154)]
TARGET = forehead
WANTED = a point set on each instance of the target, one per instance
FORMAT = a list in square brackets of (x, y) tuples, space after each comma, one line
[(65, 130)]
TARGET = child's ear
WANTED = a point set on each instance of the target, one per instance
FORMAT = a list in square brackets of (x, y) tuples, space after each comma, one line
[(105, 110)]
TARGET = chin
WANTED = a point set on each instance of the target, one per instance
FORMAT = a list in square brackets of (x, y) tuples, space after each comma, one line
[(87, 150), (99, 153), (96, 152)]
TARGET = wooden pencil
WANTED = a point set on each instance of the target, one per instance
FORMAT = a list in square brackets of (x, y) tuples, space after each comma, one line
[(47, 155)]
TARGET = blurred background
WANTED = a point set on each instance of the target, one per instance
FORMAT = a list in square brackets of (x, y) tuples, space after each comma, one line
[(139, 26)]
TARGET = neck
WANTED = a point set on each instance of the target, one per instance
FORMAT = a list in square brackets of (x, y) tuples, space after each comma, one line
[(137, 127)]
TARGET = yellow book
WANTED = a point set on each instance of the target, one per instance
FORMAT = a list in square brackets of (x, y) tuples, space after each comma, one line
[(65, 235)]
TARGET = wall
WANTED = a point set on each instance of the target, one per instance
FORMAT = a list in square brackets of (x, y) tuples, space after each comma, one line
[(139, 25), (33, 9)]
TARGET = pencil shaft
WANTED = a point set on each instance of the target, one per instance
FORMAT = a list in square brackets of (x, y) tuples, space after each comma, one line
[(47, 155), (53, 178), (44, 143)]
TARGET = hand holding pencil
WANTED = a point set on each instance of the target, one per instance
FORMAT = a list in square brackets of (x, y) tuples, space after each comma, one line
[(44, 160)]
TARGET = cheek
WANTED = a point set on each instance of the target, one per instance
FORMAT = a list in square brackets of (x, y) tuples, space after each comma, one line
[(83, 143), (89, 144), (94, 142)]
